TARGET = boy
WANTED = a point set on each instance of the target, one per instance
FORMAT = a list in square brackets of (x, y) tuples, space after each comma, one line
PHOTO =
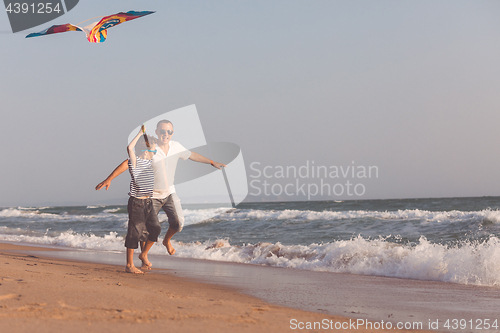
[(140, 205)]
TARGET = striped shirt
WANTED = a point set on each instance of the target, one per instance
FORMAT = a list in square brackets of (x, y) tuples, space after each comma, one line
[(142, 181)]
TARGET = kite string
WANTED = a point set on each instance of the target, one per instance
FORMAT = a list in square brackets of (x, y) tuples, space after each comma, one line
[(89, 19)]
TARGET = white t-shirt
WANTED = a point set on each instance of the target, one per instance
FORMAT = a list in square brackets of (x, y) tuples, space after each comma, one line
[(164, 168)]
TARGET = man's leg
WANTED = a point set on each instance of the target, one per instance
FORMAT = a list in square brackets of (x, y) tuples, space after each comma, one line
[(173, 209), (166, 240), (153, 227), (144, 254)]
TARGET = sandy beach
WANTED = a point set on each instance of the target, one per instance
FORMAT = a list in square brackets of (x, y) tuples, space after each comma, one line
[(44, 294)]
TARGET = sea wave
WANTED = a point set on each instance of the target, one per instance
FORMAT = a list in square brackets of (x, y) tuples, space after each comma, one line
[(488, 215), (475, 263), (193, 216), (38, 216), (470, 262), (110, 242)]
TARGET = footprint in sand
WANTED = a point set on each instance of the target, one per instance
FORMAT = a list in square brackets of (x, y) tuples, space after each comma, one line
[(9, 296), (258, 308), (10, 279)]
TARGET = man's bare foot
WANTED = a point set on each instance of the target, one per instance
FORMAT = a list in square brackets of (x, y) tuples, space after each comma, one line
[(145, 262), (170, 248), (133, 269)]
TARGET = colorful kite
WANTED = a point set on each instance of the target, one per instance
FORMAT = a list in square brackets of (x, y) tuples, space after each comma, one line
[(97, 31)]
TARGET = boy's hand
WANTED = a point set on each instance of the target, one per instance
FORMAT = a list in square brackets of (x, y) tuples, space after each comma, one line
[(143, 132), (105, 183)]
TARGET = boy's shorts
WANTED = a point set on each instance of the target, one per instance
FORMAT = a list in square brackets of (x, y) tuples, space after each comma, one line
[(139, 212)]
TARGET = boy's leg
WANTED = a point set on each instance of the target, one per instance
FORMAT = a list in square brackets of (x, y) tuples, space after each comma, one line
[(136, 231), (130, 268)]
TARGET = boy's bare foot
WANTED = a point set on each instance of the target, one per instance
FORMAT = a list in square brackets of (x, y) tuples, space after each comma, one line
[(170, 248), (133, 269), (145, 262)]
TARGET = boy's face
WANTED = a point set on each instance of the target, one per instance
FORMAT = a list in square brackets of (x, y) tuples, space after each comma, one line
[(149, 154)]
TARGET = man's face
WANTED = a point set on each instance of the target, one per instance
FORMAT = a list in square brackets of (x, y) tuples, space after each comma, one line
[(162, 132)]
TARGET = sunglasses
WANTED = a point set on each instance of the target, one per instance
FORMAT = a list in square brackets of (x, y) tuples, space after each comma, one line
[(153, 151), (162, 132)]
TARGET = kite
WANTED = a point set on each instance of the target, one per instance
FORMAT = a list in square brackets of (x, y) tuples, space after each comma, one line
[(97, 31)]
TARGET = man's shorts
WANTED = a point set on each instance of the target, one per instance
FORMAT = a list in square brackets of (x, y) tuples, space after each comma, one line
[(140, 213), (171, 205)]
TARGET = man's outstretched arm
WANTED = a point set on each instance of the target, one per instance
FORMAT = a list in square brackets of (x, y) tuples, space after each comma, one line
[(116, 172), (202, 159)]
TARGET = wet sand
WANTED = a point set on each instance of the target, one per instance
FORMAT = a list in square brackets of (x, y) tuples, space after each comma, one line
[(467, 308)]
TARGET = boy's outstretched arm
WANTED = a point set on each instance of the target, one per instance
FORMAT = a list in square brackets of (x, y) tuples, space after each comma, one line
[(124, 165), (131, 146), (116, 172)]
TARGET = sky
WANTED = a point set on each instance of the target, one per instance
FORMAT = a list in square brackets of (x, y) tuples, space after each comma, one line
[(406, 89)]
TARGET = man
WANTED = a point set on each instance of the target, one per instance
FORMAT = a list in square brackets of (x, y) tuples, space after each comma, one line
[(164, 196)]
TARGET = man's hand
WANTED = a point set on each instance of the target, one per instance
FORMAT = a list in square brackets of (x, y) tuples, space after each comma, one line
[(105, 183), (218, 165), (202, 159)]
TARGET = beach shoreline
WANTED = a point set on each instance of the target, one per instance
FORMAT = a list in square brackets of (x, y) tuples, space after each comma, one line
[(51, 294)]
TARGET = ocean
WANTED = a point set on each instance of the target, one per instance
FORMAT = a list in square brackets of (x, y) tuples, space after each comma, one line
[(453, 240)]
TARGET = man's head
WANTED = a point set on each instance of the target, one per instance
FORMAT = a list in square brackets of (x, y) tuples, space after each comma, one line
[(164, 131)]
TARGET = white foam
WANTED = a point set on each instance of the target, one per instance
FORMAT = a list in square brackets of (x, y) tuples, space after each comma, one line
[(10, 212), (407, 214), (468, 263), (111, 242), (37, 216), (111, 210), (492, 216), (475, 263), (194, 216), (191, 216), (28, 213)]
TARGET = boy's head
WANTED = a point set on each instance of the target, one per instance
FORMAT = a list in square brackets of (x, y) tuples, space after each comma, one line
[(141, 147)]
